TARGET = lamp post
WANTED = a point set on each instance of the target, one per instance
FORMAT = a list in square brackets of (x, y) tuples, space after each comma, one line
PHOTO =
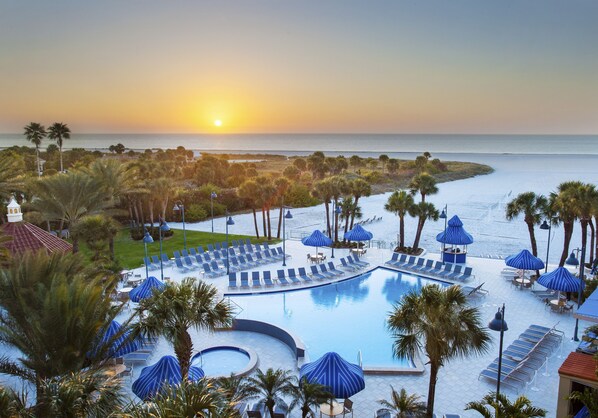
[(147, 239), (336, 210), (162, 228), (178, 205), (213, 196), (572, 261), (444, 216), (229, 221), (499, 324), (284, 253), (547, 226)]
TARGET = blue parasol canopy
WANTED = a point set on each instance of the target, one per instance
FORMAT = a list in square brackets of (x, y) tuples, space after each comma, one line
[(342, 378), (166, 371), (524, 261), (145, 289), (121, 345), (588, 311), (455, 234), (358, 234), (317, 239), (560, 279)]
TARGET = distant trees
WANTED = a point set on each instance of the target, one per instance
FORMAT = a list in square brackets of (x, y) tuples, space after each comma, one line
[(118, 148)]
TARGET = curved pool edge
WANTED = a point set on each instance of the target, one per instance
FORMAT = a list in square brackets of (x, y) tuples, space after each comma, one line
[(251, 353), (298, 347)]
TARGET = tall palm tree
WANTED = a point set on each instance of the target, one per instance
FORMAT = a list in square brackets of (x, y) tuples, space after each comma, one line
[(180, 307), (59, 132), (587, 196), (282, 184), (400, 203), (308, 395), (565, 204), (493, 406), (424, 211), (69, 198), (439, 321), (404, 405), (339, 187), (35, 133), (533, 207), (423, 183), (271, 386), (359, 188), (248, 191), (53, 311), (97, 231), (323, 190)]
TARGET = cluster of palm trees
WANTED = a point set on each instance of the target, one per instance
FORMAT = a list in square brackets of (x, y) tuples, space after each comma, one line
[(402, 203), (36, 132), (573, 201)]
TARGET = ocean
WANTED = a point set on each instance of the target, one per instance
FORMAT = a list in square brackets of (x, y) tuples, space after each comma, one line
[(293, 144)]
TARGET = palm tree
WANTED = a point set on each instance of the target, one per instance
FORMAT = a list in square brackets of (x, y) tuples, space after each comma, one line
[(339, 187), (271, 385), (53, 310), (439, 321), (13, 404), (69, 198), (199, 399), (35, 133), (323, 190), (423, 183), (533, 207), (589, 397), (10, 176), (565, 203), (497, 406), (404, 405), (248, 191), (359, 188), (400, 203), (179, 307), (59, 132), (307, 395), (81, 394), (587, 197), (234, 389), (97, 231), (282, 184), (423, 211)]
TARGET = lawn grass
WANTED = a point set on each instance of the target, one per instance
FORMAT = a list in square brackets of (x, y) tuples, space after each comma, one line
[(130, 253)]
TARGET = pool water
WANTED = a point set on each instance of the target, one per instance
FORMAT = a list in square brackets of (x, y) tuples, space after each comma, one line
[(221, 361), (346, 317)]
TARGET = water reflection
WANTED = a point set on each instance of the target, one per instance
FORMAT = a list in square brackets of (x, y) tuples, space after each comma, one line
[(330, 296), (396, 286)]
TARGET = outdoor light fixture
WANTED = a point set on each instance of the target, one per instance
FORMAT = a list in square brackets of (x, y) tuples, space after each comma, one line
[(147, 239), (444, 215), (499, 324), (163, 228), (179, 206), (229, 221), (573, 261), (213, 196), (284, 254)]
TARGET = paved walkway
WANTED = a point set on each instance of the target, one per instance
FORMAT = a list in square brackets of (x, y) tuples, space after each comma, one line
[(458, 380)]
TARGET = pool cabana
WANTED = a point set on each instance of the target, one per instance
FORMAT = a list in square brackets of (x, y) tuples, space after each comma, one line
[(458, 239)]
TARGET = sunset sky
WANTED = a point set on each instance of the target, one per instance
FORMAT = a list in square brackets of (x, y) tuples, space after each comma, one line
[(415, 66)]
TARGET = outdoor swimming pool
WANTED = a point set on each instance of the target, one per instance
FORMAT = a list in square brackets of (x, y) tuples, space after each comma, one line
[(223, 361), (346, 317)]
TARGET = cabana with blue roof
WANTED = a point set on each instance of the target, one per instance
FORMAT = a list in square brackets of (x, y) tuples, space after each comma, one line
[(455, 236)]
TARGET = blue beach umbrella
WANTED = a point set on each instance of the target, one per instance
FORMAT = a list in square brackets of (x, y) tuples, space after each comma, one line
[(121, 345), (317, 239), (455, 234), (145, 289), (562, 280), (524, 260), (166, 371), (358, 234), (343, 379)]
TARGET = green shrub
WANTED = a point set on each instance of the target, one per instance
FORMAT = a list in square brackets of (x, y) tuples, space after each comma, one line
[(195, 213)]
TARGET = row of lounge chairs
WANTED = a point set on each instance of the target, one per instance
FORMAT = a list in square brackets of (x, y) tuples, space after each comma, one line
[(320, 272), (522, 359), (430, 267)]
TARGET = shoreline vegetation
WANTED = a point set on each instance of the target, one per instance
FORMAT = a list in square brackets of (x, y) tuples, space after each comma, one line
[(125, 192)]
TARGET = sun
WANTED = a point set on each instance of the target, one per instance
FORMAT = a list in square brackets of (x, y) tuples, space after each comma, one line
[(218, 123)]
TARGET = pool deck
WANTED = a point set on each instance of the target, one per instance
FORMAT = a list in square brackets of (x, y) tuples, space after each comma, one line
[(457, 381)]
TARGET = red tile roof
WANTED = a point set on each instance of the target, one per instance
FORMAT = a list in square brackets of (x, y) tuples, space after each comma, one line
[(579, 365), (28, 237)]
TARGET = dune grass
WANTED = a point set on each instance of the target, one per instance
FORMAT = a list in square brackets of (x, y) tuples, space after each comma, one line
[(130, 253)]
